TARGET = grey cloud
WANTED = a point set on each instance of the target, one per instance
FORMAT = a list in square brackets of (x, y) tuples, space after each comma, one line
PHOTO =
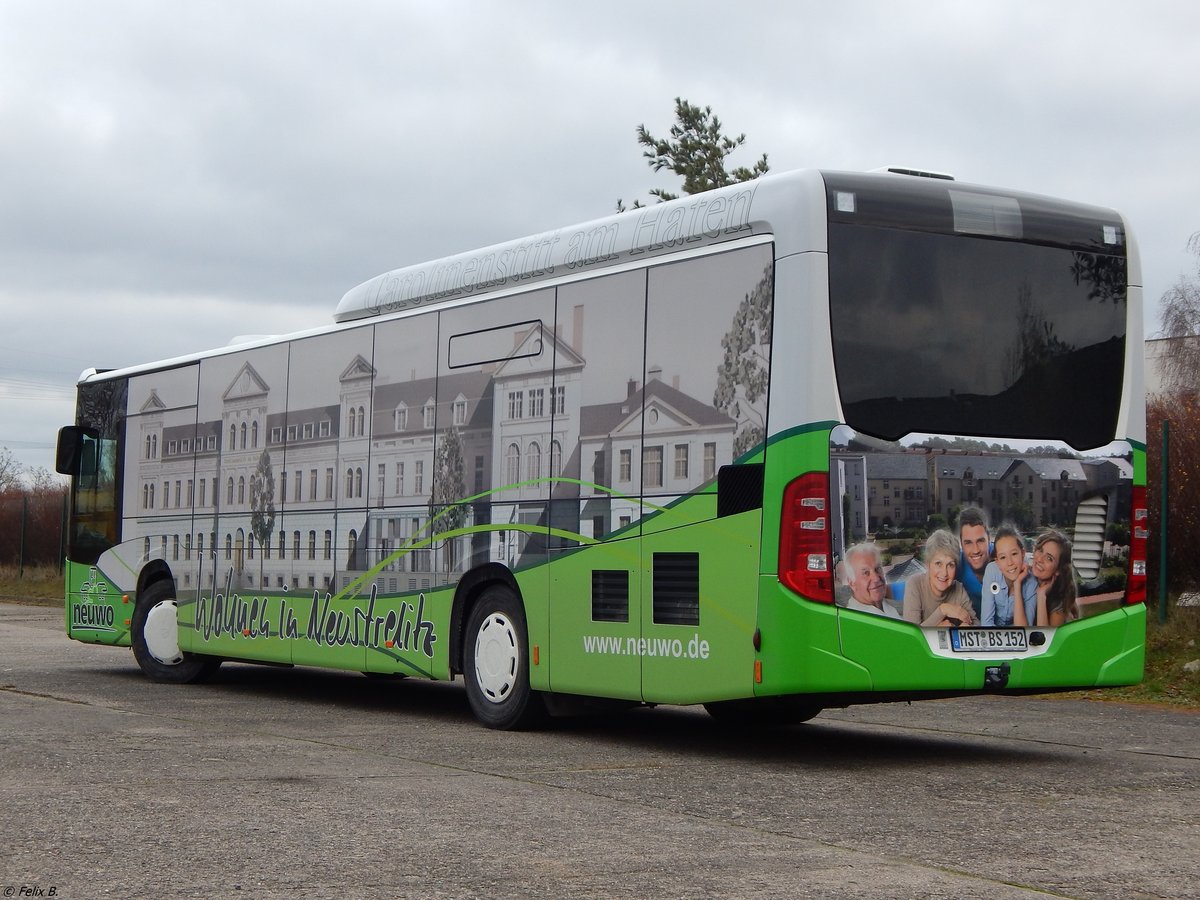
[(175, 175)]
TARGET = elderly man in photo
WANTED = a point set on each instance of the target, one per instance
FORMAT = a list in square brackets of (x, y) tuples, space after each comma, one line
[(864, 575)]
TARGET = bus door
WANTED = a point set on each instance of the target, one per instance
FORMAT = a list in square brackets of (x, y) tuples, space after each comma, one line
[(703, 418), (699, 611), (596, 618), (595, 558)]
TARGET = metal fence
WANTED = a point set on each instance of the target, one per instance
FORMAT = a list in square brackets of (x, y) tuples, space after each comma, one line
[(32, 528)]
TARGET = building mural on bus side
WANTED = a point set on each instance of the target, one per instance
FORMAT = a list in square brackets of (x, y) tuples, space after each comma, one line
[(942, 531), (400, 454)]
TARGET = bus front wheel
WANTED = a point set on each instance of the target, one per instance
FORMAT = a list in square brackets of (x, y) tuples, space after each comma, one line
[(496, 662), (155, 639)]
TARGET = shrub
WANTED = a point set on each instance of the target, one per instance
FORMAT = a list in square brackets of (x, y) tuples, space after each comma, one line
[(1183, 512)]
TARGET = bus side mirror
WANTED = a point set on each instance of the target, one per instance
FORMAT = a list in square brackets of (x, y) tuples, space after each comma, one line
[(70, 448)]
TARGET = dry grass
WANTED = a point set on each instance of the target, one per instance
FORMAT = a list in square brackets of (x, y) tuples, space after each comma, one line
[(40, 586), (1169, 648)]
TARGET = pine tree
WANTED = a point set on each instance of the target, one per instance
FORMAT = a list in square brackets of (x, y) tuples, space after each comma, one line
[(697, 151), (262, 504), (746, 366), (449, 488)]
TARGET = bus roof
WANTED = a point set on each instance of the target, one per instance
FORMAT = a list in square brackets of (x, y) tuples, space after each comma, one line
[(692, 221), (725, 214), (790, 206)]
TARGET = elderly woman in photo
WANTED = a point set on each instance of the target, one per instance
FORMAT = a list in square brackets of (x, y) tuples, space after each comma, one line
[(933, 598)]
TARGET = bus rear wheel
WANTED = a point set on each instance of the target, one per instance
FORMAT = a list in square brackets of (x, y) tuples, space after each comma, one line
[(155, 640), (496, 662)]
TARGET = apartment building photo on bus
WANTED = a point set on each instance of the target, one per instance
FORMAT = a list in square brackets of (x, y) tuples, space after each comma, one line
[(887, 491)]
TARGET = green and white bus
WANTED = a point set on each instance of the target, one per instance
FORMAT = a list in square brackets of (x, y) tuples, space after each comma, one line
[(627, 459)]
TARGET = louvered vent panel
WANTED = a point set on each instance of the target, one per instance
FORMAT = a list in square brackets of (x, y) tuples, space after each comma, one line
[(610, 595), (677, 588), (1087, 550)]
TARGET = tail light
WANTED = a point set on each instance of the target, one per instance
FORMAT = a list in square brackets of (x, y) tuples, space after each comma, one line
[(805, 543), (1139, 539)]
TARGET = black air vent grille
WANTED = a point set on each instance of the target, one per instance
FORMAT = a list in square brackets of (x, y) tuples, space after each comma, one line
[(677, 588), (610, 596), (739, 488)]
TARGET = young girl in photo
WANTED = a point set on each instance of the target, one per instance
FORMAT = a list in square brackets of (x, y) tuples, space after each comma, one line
[(1006, 579)]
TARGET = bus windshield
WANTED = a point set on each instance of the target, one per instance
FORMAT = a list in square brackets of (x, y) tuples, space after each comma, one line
[(95, 496), (976, 313)]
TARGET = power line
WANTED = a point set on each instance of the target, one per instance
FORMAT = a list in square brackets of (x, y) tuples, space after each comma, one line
[(31, 389)]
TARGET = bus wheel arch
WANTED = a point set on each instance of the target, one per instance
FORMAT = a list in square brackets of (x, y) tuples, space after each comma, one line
[(155, 570), (494, 654), (153, 632), (470, 588)]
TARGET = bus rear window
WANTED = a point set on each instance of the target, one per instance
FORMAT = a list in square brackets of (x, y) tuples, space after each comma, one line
[(962, 334)]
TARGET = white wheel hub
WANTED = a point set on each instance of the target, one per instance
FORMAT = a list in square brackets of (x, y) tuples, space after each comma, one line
[(162, 638), (497, 657)]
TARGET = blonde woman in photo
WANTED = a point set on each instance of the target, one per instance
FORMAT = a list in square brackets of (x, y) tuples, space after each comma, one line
[(933, 598)]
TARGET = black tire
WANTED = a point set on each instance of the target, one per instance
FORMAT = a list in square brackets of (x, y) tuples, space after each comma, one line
[(762, 713), (155, 646), (496, 662)]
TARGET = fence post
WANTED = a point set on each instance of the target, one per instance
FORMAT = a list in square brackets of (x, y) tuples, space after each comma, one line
[(21, 546), (62, 533), (1162, 519)]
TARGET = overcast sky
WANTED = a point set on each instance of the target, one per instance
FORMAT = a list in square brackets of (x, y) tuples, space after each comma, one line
[(172, 175)]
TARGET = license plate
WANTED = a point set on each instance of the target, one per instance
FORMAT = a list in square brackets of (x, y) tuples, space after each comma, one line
[(988, 640)]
